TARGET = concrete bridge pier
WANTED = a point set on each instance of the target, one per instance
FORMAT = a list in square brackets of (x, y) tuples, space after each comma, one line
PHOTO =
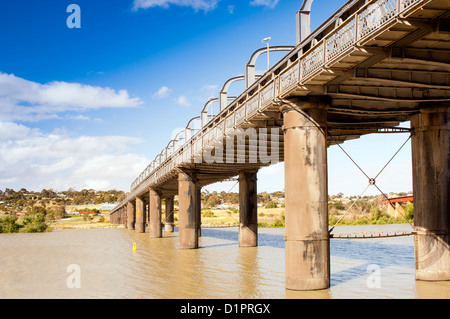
[(198, 210), (188, 189), (430, 145), (169, 222), (248, 210), (154, 208), (130, 216), (123, 214), (305, 153), (140, 215), (121, 217)]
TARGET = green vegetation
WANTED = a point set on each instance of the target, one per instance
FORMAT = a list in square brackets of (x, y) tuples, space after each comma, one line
[(277, 222), (29, 211), (207, 213), (365, 211), (33, 223), (26, 211), (271, 204), (22, 201)]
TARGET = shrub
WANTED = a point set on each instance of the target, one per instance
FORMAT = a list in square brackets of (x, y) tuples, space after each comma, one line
[(87, 217), (376, 214), (409, 211), (278, 223), (271, 204), (8, 224), (207, 213), (33, 224)]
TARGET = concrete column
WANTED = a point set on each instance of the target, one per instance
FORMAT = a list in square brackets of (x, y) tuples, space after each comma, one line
[(198, 210), (155, 214), (123, 216), (169, 222), (140, 216), (188, 208), (430, 145), (248, 210), (130, 216), (305, 156)]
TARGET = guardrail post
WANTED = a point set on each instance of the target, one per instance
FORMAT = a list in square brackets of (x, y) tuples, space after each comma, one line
[(305, 156)]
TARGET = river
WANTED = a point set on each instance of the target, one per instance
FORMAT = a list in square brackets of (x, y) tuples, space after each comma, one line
[(41, 266)]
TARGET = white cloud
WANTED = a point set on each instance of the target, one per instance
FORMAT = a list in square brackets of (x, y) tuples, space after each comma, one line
[(183, 101), (25, 100), (162, 93), (266, 3), (210, 87), (34, 160), (13, 131), (205, 5), (276, 169)]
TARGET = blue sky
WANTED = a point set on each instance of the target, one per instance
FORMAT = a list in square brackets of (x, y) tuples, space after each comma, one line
[(90, 107)]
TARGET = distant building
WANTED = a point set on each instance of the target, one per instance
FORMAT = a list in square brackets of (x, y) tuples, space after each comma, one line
[(107, 206)]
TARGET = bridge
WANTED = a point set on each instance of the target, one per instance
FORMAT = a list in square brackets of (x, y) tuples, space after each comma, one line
[(369, 67)]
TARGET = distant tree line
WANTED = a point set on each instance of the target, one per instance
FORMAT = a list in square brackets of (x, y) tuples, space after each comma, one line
[(23, 197), (214, 198)]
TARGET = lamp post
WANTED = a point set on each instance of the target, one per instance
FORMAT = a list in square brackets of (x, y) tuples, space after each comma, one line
[(266, 40)]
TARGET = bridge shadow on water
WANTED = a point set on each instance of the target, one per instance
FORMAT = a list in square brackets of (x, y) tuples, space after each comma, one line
[(356, 254)]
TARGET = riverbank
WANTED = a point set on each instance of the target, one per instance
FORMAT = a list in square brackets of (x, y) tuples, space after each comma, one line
[(275, 218), (267, 218), (80, 223)]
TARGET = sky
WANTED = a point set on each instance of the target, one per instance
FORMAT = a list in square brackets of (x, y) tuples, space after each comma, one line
[(91, 106)]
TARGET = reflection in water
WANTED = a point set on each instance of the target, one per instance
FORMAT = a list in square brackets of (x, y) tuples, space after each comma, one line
[(35, 266)]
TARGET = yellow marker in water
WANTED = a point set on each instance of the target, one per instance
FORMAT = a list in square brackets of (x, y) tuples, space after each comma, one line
[(134, 246)]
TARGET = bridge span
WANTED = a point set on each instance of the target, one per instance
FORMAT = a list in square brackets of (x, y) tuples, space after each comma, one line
[(369, 67)]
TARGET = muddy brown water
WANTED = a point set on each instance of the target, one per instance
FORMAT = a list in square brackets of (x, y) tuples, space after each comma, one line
[(41, 266)]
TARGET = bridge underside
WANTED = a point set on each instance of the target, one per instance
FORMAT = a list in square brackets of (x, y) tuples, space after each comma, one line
[(385, 80), (400, 73)]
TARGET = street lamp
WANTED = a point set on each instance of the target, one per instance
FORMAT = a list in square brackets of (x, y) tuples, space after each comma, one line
[(266, 40)]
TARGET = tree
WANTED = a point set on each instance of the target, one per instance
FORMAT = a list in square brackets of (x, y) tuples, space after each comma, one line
[(56, 214), (271, 204), (38, 210), (264, 197), (213, 200), (8, 224), (87, 217)]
